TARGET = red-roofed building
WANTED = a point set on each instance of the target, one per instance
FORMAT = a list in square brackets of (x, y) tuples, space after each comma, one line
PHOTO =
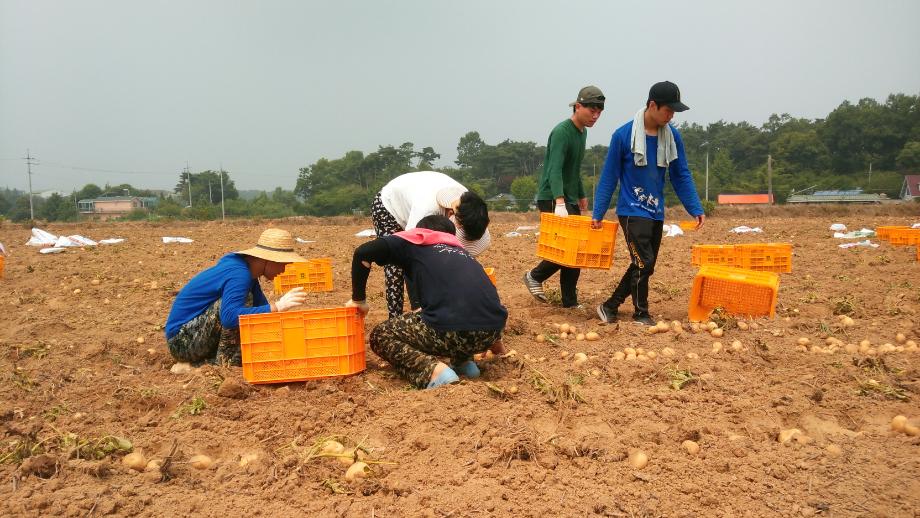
[(910, 190), (745, 199)]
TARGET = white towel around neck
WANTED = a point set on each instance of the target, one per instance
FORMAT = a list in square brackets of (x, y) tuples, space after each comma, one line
[(667, 147)]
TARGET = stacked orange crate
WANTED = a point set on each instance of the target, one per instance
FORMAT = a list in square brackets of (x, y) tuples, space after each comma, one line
[(904, 236), (719, 255), (884, 232), (314, 275), (764, 257)]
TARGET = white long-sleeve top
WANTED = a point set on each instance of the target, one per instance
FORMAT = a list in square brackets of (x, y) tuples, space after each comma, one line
[(412, 196)]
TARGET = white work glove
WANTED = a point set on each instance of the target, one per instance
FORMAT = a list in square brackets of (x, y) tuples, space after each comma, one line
[(289, 300), (561, 210)]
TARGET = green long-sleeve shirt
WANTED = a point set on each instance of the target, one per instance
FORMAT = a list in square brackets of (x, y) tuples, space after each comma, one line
[(562, 164)]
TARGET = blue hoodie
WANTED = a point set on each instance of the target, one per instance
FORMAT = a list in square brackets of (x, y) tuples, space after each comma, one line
[(642, 188)]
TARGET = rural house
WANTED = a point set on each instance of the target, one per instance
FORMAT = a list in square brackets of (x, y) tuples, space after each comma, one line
[(910, 189), (114, 206)]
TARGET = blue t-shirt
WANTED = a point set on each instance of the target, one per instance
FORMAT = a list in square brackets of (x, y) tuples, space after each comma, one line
[(642, 188), (230, 281), (454, 291)]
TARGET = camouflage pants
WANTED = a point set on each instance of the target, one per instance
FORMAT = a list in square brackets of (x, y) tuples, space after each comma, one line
[(413, 347), (203, 340)]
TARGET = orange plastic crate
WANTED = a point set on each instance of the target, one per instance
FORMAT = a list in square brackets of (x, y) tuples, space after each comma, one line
[(687, 225), (904, 236), (764, 257), (737, 291), (302, 345), (491, 273), (2, 260), (884, 233), (918, 252), (570, 241), (723, 255), (313, 275)]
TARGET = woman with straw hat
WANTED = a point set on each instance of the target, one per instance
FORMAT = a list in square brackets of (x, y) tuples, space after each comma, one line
[(203, 324)]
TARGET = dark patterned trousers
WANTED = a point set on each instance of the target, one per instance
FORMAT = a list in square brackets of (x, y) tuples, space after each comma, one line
[(203, 339), (385, 225), (568, 276), (413, 347)]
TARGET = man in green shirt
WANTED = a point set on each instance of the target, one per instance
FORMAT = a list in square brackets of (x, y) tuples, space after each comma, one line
[(560, 189)]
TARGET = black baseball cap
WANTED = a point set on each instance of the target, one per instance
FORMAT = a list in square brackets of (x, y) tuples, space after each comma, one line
[(667, 93), (589, 95)]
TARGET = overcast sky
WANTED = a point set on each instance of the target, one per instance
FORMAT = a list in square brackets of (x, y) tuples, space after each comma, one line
[(127, 91)]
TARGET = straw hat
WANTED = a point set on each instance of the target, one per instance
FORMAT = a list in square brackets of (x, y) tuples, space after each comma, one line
[(275, 245)]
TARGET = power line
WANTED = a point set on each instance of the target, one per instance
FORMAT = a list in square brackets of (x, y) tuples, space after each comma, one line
[(164, 173)]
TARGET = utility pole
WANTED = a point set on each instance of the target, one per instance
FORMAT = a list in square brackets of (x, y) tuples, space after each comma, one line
[(223, 215), (28, 158), (770, 178), (210, 197), (869, 185), (188, 175)]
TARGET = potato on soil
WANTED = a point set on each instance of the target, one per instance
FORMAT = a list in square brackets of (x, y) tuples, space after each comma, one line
[(691, 447), (638, 459), (356, 471), (332, 447), (135, 460), (201, 461), (785, 436)]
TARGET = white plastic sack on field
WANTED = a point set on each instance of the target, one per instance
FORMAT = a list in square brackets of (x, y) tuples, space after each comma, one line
[(52, 250), (111, 241), (299, 240), (177, 240), (368, 232), (41, 238), (859, 243), (915, 225), (672, 230), (526, 228), (2, 249), (744, 230), (513, 234), (74, 240), (856, 234), (839, 227)]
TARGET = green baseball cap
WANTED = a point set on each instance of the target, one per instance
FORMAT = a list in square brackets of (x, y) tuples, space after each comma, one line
[(589, 95)]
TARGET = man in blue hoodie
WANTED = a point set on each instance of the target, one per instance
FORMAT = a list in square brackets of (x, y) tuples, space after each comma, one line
[(641, 152)]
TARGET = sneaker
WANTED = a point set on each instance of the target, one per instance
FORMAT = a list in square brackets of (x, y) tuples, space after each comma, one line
[(446, 377), (644, 320), (535, 288), (467, 369), (606, 315)]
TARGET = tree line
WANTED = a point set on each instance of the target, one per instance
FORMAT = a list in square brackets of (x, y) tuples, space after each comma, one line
[(867, 145)]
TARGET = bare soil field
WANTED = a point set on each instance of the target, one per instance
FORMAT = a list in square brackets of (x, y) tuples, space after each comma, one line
[(84, 366)]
